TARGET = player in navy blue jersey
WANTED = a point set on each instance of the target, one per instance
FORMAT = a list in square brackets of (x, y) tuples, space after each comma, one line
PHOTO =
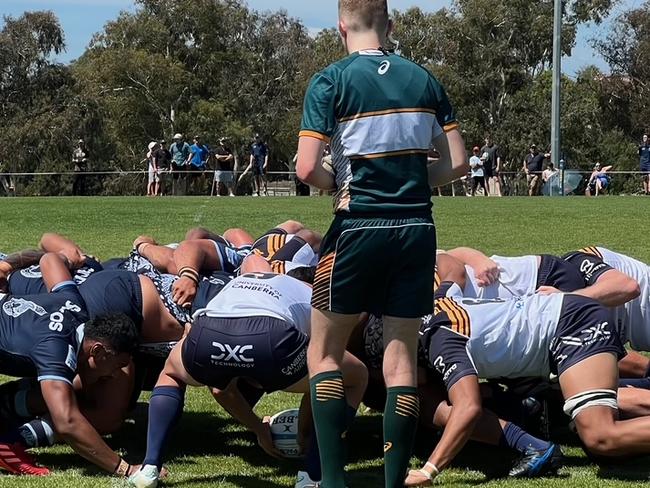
[(50, 337)]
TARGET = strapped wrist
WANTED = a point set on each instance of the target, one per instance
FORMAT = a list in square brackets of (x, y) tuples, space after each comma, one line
[(122, 469), (190, 273)]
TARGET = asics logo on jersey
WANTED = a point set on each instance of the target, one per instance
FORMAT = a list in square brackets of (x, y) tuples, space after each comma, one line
[(56, 318), (15, 307), (383, 67), (232, 353)]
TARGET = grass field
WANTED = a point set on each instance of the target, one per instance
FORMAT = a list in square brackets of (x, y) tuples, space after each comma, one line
[(209, 449)]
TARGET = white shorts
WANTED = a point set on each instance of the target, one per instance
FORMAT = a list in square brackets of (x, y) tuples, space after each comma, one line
[(154, 177)]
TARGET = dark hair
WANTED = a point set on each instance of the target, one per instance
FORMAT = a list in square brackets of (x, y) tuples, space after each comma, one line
[(22, 259), (117, 332), (304, 273)]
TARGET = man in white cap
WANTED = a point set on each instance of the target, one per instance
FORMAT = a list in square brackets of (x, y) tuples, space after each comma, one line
[(180, 151), (153, 186)]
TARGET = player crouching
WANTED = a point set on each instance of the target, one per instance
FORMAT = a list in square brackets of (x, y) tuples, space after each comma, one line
[(255, 331), (572, 336)]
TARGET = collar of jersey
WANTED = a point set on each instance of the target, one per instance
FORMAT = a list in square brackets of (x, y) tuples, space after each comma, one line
[(370, 52), (81, 332)]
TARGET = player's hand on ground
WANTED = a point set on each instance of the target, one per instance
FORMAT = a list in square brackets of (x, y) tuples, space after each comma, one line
[(417, 478), (547, 290), (265, 440), (184, 291), (487, 273)]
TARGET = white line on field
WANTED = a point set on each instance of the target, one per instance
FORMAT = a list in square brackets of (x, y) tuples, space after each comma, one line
[(198, 217)]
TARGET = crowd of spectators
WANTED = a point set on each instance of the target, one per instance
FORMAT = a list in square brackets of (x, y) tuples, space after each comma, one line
[(187, 163), (183, 163)]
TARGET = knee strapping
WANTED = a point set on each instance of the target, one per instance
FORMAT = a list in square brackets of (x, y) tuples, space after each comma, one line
[(592, 398)]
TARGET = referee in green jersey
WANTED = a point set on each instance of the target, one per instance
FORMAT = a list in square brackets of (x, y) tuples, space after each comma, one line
[(380, 113)]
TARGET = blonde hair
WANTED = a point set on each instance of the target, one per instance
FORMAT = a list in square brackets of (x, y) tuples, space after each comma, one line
[(364, 15)]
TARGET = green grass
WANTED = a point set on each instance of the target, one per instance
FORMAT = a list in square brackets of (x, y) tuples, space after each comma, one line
[(209, 449)]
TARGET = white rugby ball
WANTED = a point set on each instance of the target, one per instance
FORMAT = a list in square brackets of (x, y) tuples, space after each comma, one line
[(284, 432)]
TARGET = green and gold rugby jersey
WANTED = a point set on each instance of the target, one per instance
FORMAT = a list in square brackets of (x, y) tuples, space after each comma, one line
[(379, 112)]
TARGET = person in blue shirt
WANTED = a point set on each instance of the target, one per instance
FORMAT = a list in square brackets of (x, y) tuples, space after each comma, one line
[(197, 160), (198, 155)]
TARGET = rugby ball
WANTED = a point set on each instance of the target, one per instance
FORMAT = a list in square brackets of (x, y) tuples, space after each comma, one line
[(284, 432)]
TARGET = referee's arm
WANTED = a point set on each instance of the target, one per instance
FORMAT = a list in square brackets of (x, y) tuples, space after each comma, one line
[(309, 168), (453, 159)]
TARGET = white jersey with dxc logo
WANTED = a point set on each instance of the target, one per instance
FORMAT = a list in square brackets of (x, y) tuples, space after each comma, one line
[(512, 338), (517, 278), (266, 295), (634, 316)]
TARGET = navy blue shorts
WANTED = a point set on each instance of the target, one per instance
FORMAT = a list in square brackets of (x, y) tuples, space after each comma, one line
[(115, 291), (585, 328), (266, 350), (560, 274)]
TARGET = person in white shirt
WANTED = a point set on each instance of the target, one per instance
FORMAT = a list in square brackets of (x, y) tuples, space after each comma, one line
[(478, 174)]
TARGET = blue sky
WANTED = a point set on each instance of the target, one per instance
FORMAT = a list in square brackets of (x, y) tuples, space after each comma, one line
[(82, 18)]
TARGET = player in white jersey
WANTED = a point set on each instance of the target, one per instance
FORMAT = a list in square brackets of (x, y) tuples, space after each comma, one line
[(572, 336), (256, 330), (508, 277), (622, 282)]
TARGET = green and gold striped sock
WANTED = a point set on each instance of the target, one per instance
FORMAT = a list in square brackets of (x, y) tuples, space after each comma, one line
[(329, 408), (400, 423)]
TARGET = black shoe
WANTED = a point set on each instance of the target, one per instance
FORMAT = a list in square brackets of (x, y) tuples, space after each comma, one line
[(535, 463)]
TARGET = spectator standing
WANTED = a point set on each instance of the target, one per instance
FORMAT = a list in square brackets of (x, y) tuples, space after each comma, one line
[(533, 168), (80, 165), (492, 166), (153, 181), (163, 161), (224, 174), (197, 160), (548, 177), (198, 155), (476, 165), (7, 181), (180, 153), (644, 161), (259, 162)]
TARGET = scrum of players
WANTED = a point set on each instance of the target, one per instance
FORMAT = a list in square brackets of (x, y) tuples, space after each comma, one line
[(511, 340)]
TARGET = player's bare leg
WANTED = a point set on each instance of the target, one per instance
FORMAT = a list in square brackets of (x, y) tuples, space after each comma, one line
[(634, 365), (595, 381), (238, 237), (160, 256)]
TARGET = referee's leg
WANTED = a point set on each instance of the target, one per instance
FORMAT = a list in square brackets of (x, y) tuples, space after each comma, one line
[(402, 409), (331, 393)]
